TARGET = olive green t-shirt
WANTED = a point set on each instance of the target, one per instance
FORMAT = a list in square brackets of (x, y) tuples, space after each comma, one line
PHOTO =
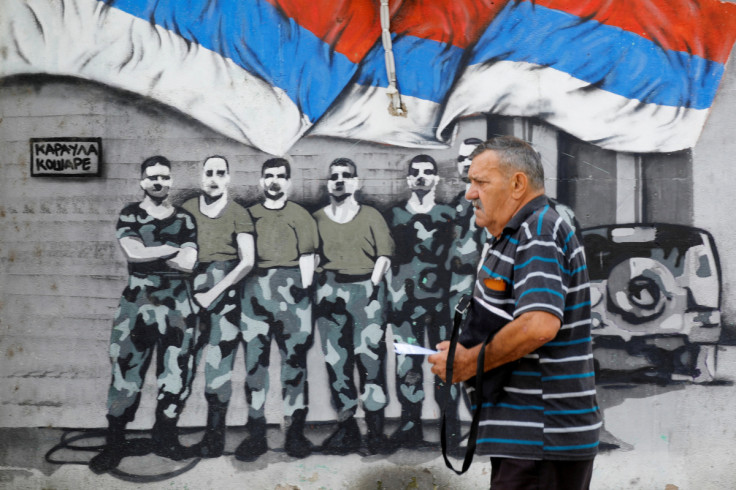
[(353, 247), (283, 235), (216, 236)]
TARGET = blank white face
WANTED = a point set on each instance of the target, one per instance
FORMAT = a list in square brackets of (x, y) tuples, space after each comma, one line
[(343, 181), (156, 181), (422, 176), (215, 177), (275, 183), (463, 160)]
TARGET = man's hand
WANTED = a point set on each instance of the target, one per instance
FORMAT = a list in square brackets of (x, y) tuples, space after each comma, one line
[(464, 367), (518, 338), (374, 292), (205, 299), (184, 260)]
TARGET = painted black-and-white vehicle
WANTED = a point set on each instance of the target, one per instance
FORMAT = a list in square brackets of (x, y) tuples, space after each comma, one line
[(656, 296)]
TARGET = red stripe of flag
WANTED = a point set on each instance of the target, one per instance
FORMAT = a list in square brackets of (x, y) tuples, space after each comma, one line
[(456, 22), (351, 27), (705, 28)]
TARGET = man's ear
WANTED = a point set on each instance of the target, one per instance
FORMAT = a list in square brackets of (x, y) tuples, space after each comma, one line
[(519, 184)]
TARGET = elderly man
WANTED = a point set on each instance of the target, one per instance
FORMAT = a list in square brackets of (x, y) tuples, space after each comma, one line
[(277, 305), (423, 230), (159, 242), (541, 424), (226, 252), (355, 249)]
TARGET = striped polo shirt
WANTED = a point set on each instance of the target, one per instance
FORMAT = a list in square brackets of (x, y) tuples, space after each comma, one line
[(547, 408)]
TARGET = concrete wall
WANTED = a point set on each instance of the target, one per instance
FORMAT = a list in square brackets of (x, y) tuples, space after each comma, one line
[(61, 270)]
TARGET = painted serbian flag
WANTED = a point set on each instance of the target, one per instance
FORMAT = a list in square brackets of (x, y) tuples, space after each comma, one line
[(258, 71), (430, 43), (629, 75)]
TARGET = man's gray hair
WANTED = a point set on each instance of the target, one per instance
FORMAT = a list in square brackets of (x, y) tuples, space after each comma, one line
[(515, 154)]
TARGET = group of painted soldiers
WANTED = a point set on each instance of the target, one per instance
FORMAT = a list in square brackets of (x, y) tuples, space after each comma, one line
[(211, 275)]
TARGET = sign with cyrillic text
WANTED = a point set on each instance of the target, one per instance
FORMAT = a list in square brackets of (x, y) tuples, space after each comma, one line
[(66, 157)]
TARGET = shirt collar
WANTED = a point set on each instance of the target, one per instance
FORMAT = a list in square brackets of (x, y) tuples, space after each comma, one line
[(524, 213)]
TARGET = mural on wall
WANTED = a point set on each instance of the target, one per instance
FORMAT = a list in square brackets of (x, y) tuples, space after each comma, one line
[(156, 312), (342, 278), (225, 255), (627, 75), (656, 295), (423, 230), (356, 249), (277, 305)]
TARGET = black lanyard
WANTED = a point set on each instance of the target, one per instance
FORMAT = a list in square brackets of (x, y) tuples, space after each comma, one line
[(497, 379)]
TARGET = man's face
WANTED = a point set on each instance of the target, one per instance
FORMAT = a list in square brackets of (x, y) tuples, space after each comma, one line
[(156, 181), (463, 160), (490, 192), (215, 177), (343, 181), (422, 176), (275, 183)]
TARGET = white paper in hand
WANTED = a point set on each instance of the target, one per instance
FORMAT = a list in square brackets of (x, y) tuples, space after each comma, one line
[(410, 349)]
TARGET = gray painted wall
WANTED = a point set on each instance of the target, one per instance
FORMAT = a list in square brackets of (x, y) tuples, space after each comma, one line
[(61, 271)]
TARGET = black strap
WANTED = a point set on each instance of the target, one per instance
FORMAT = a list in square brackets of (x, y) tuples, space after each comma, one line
[(462, 315)]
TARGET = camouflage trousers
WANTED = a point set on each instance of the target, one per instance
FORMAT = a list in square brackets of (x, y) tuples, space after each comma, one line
[(155, 311), (273, 306), (350, 319), (416, 311), (222, 315)]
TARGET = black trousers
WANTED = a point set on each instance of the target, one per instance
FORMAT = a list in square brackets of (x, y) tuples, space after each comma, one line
[(526, 474)]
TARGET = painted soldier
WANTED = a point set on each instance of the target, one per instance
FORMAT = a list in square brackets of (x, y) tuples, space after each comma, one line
[(355, 248), (226, 254), (156, 311), (468, 238), (277, 305), (423, 231)]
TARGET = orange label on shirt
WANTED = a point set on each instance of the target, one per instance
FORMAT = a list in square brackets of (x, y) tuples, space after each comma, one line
[(494, 284)]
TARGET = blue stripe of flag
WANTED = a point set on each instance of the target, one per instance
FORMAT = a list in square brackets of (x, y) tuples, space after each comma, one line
[(256, 36), (426, 68), (613, 59)]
